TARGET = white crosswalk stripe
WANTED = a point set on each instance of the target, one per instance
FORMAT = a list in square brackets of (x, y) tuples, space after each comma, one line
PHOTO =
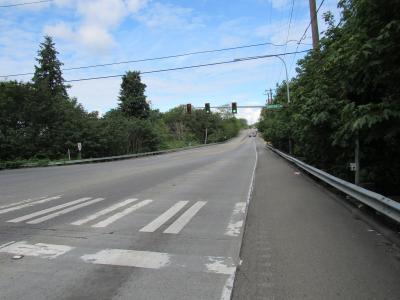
[(104, 212), (21, 202), (185, 218), (158, 222), (64, 211), (121, 214), (45, 211), (29, 204)]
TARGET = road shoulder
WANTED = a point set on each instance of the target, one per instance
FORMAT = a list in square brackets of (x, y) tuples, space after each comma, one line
[(299, 243)]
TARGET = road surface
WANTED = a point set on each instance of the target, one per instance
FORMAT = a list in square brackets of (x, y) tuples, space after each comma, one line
[(171, 227), (162, 227)]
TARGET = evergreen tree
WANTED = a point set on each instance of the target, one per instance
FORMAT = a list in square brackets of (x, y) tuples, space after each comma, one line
[(48, 74), (132, 98)]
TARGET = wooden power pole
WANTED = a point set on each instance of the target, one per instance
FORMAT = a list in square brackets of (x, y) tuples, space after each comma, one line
[(314, 23)]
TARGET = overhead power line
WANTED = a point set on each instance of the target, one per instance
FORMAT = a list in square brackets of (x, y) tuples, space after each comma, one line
[(190, 67), (305, 33), (25, 3), (159, 58), (288, 32)]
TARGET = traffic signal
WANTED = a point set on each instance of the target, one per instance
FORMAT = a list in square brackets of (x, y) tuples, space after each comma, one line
[(189, 108), (207, 108), (234, 108)]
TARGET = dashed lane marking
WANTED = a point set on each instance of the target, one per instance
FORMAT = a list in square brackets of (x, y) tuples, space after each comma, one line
[(64, 211), (29, 204), (158, 222), (121, 214), (104, 212), (185, 218), (45, 211)]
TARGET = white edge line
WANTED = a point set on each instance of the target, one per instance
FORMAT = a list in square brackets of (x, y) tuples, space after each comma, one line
[(228, 287)]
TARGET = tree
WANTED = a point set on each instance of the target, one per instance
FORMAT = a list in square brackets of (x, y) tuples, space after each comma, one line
[(48, 74), (132, 98), (348, 89)]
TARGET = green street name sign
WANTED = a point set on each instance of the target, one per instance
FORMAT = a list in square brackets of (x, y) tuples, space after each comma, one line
[(273, 106)]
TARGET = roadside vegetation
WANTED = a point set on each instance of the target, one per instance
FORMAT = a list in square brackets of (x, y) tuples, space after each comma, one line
[(347, 90), (40, 122)]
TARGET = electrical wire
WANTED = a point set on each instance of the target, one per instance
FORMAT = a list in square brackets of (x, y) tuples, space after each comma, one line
[(157, 58), (305, 33), (189, 67), (288, 32)]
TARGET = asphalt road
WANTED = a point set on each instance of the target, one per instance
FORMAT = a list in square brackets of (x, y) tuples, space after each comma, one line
[(162, 227), (302, 242)]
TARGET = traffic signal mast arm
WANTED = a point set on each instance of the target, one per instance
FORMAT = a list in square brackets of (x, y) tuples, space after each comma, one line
[(207, 107)]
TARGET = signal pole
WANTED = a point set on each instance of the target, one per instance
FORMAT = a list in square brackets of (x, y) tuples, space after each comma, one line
[(314, 23)]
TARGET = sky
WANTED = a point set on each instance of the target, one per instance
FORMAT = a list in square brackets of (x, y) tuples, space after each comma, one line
[(89, 32)]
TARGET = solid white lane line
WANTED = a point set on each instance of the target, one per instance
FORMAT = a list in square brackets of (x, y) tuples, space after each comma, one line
[(129, 258), (154, 225), (236, 221), (103, 212), (6, 210), (185, 218), (47, 210), (122, 214), (49, 251), (64, 211)]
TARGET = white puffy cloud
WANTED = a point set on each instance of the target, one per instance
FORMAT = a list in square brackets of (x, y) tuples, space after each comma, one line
[(135, 5), (60, 30), (95, 37), (161, 15), (97, 20), (250, 114)]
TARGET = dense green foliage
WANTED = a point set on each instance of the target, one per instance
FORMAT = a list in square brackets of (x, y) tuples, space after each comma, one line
[(346, 89), (39, 121)]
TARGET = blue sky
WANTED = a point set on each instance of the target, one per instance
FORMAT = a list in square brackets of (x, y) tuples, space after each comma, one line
[(101, 31)]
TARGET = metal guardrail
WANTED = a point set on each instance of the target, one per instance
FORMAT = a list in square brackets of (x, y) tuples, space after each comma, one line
[(119, 157), (380, 203)]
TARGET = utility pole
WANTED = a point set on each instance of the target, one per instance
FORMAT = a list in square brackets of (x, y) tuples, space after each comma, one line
[(314, 23)]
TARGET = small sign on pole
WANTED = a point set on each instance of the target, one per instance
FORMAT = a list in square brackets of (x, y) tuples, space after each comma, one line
[(79, 147), (353, 166)]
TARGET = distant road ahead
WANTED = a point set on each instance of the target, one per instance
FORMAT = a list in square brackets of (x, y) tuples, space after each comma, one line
[(162, 227)]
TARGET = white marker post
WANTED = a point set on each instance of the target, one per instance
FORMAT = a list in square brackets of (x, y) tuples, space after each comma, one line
[(79, 149)]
